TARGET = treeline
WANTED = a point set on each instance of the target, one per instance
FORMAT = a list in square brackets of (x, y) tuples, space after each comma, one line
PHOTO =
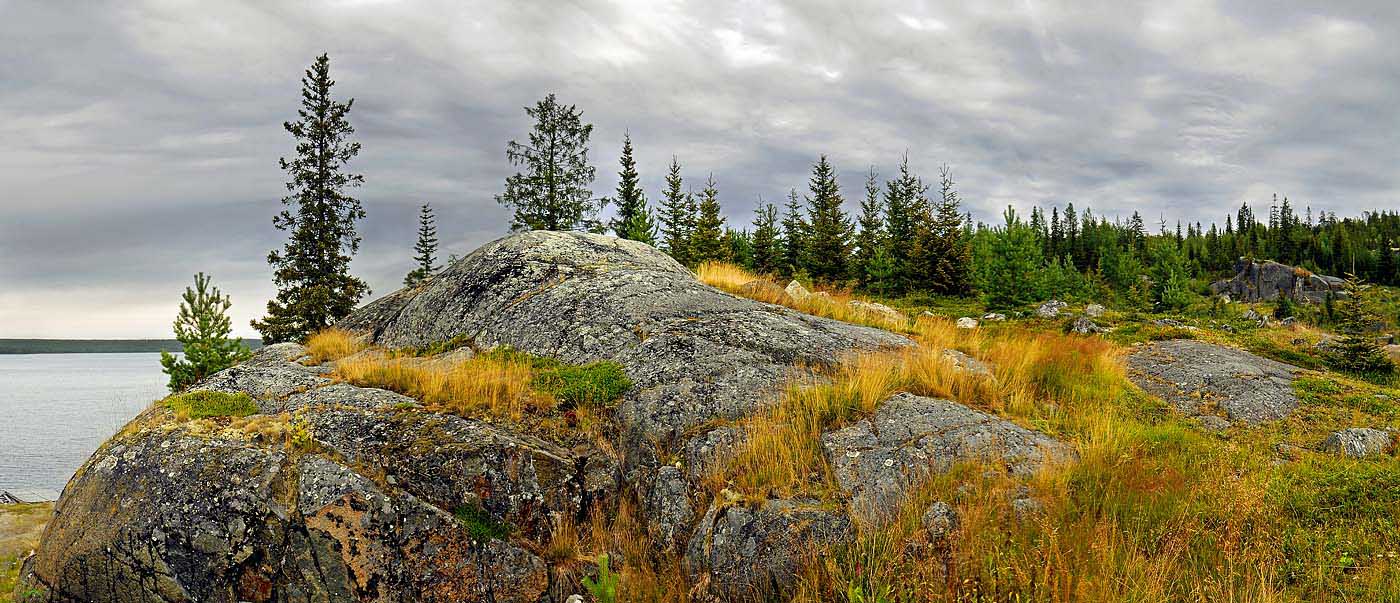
[(96, 346)]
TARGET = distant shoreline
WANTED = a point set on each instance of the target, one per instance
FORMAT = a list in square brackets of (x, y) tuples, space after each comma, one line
[(97, 346)]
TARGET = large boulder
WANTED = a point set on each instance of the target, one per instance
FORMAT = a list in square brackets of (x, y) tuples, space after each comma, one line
[(877, 460), (1200, 378), (1267, 280), (1360, 442), (693, 352), (385, 502)]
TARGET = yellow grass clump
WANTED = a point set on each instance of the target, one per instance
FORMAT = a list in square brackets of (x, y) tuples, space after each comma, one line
[(333, 344), (500, 387), (829, 304)]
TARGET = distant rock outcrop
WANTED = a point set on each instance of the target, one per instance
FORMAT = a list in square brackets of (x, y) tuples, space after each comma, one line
[(1263, 281), (1199, 378)]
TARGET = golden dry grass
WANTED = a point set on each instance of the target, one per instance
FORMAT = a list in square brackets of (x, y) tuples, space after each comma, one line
[(333, 344), (830, 304), (499, 387)]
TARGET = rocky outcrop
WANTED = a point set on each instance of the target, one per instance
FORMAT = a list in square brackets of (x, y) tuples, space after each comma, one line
[(694, 353), (385, 501), (334, 492), (1267, 280), (877, 460), (1050, 309), (1202, 379)]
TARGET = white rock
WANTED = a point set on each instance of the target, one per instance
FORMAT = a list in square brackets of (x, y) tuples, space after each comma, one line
[(967, 322)]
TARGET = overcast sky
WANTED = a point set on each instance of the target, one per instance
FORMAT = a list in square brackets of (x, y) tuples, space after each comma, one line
[(139, 140)]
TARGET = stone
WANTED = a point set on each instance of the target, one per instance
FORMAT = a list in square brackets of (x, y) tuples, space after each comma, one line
[(1268, 280), (1093, 310), (693, 353), (964, 362), (796, 291), (1255, 317), (967, 322), (766, 291), (879, 310), (1083, 326), (994, 317), (667, 505), (1026, 508), (877, 460), (1195, 376), (927, 314), (939, 521), (1360, 442), (704, 452), (741, 552), (1050, 309)]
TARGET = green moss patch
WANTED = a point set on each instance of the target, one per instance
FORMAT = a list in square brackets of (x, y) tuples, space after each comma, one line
[(480, 524), (205, 404), (594, 384)]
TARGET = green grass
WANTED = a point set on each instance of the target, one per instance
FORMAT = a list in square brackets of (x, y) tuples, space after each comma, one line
[(598, 384), (480, 525), (206, 404)]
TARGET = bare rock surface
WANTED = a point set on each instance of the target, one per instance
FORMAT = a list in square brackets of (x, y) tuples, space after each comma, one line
[(1268, 280), (694, 353), (741, 553), (1197, 377), (877, 460), (1360, 442)]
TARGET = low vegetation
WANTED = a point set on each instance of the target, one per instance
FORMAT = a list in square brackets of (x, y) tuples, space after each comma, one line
[(206, 404), (332, 344), (21, 525)]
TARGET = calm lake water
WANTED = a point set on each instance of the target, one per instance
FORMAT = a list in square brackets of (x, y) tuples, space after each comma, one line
[(55, 409)]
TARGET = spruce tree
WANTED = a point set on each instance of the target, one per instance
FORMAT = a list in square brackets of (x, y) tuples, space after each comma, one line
[(1008, 264), (829, 233), (425, 248), (794, 250), (203, 327), (1358, 351), (871, 237), (634, 220), (950, 254), (552, 193), (905, 207), (677, 216), (312, 270), (765, 241), (707, 242)]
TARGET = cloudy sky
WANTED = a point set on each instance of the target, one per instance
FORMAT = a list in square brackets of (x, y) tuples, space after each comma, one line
[(139, 140)]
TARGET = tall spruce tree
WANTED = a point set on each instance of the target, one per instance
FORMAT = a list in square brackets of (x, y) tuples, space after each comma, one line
[(829, 233), (952, 253), (1358, 351), (905, 208), (707, 241), (765, 241), (677, 216), (312, 270), (871, 237), (552, 193), (794, 250), (425, 249), (634, 220), (203, 327)]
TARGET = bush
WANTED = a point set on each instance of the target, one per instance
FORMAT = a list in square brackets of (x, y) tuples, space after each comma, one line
[(204, 404), (595, 384)]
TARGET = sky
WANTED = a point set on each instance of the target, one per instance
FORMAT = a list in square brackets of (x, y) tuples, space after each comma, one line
[(139, 140)]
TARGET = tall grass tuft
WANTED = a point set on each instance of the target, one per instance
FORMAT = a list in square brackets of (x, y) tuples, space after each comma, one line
[(829, 304), (479, 385), (333, 344)]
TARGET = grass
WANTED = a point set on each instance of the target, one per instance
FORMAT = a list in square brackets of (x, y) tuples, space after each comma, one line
[(21, 526), (834, 304), (333, 344), (207, 404), (1154, 509), (536, 393)]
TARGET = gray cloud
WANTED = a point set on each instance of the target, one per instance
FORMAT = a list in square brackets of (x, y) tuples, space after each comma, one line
[(141, 139)]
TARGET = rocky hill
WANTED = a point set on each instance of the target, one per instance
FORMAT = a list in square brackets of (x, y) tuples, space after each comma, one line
[(750, 445)]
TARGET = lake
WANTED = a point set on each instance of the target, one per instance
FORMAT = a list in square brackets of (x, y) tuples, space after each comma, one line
[(55, 409)]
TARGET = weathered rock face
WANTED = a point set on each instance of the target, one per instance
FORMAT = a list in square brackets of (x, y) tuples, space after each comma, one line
[(1267, 280), (877, 460), (740, 553), (1194, 376), (1359, 442), (693, 352), (167, 512)]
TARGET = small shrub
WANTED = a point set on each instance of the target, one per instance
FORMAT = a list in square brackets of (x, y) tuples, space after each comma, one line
[(595, 384), (480, 525), (604, 589), (204, 404)]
